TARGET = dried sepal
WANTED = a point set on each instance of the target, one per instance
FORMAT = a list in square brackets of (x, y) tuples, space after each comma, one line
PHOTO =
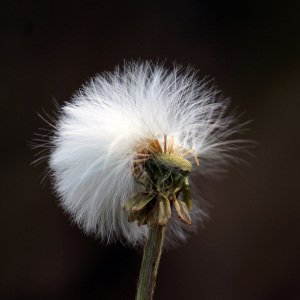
[(182, 211)]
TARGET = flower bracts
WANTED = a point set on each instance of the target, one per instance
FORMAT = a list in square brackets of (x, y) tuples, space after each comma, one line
[(164, 175)]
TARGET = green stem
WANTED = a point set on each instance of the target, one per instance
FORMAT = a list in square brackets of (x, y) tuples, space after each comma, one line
[(151, 258)]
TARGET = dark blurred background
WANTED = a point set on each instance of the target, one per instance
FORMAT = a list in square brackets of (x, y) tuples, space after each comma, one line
[(250, 247)]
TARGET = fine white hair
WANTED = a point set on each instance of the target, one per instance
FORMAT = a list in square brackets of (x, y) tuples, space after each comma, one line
[(92, 146)]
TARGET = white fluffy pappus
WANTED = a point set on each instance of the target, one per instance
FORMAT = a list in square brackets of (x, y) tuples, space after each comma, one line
[(95, 138)]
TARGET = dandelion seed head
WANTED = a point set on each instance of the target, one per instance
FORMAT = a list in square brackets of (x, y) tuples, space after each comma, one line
[(117, 122)]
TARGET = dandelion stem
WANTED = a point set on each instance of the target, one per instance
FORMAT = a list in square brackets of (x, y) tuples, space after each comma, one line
[(151, 258)]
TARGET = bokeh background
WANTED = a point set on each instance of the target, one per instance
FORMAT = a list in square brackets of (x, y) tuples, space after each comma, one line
[(250, 247)]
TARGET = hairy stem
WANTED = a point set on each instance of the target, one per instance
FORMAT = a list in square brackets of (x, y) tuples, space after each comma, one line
[(151, 258)]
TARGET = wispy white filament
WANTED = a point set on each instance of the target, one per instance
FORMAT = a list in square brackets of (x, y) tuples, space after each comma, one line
[(92, 149)]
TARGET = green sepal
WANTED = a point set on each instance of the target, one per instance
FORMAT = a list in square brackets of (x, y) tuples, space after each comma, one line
[(186, 181), (161, 180), (164, 211), (144, 217), (186, 197), (171, 183), (143, 201), (174, 188), (182, 211), (179, 185), (166, 176), (177, 177), (131, 202), (148, 218)]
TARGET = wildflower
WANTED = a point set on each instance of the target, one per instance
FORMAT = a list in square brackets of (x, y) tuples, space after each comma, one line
[(125, 145)]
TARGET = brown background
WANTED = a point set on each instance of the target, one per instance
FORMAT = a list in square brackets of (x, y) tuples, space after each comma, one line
[(250, 247)]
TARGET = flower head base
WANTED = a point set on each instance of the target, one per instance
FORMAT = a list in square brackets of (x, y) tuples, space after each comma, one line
[(128, 141), (165, 177)]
